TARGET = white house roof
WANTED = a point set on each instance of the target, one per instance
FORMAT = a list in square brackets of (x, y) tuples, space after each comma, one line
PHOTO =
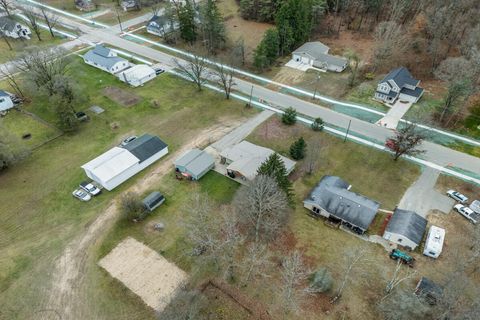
[(247, 157), (111, 163), (138, 71), (313, 49), (102, 56)]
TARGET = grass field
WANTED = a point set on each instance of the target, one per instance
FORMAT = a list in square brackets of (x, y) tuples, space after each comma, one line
[(38, 215)]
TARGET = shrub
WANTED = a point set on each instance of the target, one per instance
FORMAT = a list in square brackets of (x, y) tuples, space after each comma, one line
[(132, 207), (317, 124), (320, 281), (297, 149), (290, 116), (369, 75)]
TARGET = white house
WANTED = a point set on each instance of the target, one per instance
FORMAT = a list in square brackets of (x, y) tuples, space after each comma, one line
[(130, 5), (161, 25), (105, 59), (405, 228), (121, 163), (13, 29), (434, 242), (398, 84), (137, 75), (315, 54), (6, 102)]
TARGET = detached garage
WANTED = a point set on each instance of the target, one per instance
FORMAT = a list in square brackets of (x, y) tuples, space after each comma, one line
[(405, 228), (194, 164), (121, 163), (137, 75)]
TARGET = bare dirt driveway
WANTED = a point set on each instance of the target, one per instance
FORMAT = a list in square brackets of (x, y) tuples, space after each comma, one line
[(68, 273)]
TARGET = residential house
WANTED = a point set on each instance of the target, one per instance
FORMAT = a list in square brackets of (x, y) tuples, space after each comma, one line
[(398, 84), (6, 102), (137, 75), (105, 59), (118, 164), (85, 5), (161, 25), (244, 159), (128, 5), (315, 54), (14, 29), (194, 164), (331, 198), (405, 228)]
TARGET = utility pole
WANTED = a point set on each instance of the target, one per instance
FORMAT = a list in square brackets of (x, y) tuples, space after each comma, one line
[(348, 130), (250, 100), (118, 18)]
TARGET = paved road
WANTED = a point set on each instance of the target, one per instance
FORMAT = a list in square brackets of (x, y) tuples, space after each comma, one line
[(422, 197), (435, 153)]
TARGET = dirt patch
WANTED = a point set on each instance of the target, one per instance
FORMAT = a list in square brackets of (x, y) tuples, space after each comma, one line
[(120, 96), (141, 269)]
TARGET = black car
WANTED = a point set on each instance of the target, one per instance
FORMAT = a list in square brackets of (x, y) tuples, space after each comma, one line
[(159, 71)]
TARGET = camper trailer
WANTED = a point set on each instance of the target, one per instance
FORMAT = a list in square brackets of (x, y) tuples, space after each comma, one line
[(434, 242)]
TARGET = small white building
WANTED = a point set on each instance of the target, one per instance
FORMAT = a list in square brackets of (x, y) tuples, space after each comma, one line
[(434, 242), (405, 228), (121, 163), (137, 75), (105, 59), (13, 29), (315, 54), (6, 102)]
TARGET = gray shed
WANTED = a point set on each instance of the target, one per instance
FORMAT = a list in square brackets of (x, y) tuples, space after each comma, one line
[(194, 164), (405, 228), (153, 201)]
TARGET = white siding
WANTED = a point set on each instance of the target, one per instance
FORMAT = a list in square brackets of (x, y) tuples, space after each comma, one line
[(399, 239), (408, 98)]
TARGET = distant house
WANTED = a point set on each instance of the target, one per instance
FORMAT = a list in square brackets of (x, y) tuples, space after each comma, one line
[(244, 159), (316, 55), (130, 5), (121, 163), (405, 228), (398, 84), (428, 290), (105, 59), (13, 29), (6, 102), (194, 164), (85, 5), (331, 198), (137, 75), (160, 25)]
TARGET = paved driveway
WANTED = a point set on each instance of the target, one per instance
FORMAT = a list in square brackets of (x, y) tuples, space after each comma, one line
[(394, 115), (422, 197)]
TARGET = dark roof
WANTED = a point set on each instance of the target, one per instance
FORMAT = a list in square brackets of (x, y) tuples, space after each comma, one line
[(145, 146), (427, 286), (99, 55), (4, 94), (160, 20), (408, 224), (414, 93), (101, 51), (332, 194), (401, 76), (7, 24), (152, 198), (391, 93)]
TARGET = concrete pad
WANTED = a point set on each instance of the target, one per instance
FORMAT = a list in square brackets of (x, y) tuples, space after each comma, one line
[(298, 65), (393, 116)]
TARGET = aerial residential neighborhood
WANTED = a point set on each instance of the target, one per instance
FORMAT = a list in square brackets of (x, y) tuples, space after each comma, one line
[(239, 160)]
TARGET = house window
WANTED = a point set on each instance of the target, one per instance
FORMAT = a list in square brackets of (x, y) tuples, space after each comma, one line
[(2, 100)]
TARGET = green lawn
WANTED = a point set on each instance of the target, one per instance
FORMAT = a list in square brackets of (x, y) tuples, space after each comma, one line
[(38, 215)]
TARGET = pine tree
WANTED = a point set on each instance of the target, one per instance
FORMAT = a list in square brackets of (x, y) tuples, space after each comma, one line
[(294, 23), (186, 19), (212, 26), (274, 167), (289, 117), (271, 41), (260, 59), (298, 148)]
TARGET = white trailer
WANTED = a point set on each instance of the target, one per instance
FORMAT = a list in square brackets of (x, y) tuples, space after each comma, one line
[(434, 242)]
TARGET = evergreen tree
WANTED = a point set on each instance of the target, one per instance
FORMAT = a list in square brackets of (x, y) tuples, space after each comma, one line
[(186, 19), (317, 124), (260, 59), (289, 117), (298, 148), (274, 167), (212, 26), (267, 50), (259, 10), (294, 23)]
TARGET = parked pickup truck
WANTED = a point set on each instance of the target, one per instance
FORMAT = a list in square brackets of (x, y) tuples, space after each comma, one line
[(90, 188), (466, 212)]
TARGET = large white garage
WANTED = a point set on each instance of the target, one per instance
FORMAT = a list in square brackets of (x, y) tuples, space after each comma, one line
[(118, 164)]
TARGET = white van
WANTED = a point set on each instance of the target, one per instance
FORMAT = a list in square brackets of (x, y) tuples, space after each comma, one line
[(434, 242)]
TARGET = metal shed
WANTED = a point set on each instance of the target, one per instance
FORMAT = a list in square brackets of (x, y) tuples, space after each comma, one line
[(153, 200), (194, 164)]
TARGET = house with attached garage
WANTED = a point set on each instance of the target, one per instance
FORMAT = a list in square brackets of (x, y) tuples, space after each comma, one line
[(13, 29), (118, 164), (405, 228), (105, 59), (194, 164), (398, 84), (315, 54), (331, 198)]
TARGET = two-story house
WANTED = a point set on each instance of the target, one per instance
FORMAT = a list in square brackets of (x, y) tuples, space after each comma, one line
[(398, 84)]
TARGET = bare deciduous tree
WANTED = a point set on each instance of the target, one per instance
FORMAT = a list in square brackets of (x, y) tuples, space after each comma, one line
[(11, 79), (50, 19), (32, 21), (195, 69), (404, 305), (5, 39), (400, 274), (353, 259), (390, 39), (225, 78), (6, 5), (294, 272), (185, 305), (313, 152), (406, 141), (262, 207), (256, 263)]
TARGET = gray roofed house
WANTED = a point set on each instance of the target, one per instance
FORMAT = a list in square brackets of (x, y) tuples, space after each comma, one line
[(405, 228), (160, 25), (105, 59), (145, 146), (130, 5), (85, 5), (194, 164), (332, 198), (398, 84), (316, 55), (14, 29)]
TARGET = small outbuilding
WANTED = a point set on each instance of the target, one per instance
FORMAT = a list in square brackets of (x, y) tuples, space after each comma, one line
[(405, 228), (428, 290), (137, 75), (153, 201), (315, 54), (194, 164), (6, 102), (105, 59), (331, 198), (121, 163), (434, 242)]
